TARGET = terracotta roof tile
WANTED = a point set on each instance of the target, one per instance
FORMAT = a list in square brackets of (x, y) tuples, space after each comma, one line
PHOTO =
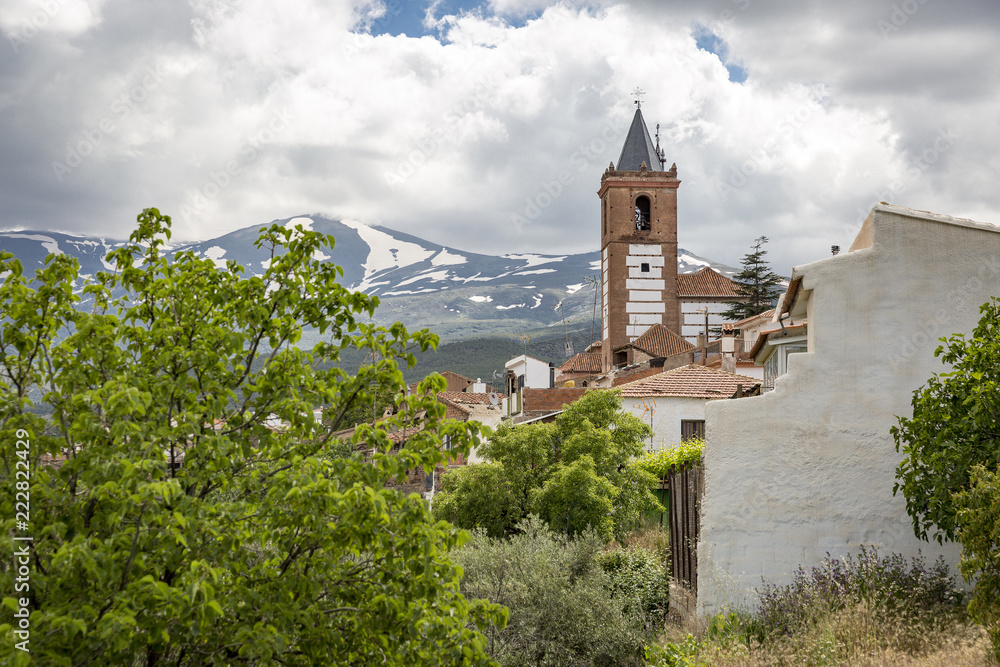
[(660, 341), (466, 397), (707, 282), (584, 362), (765, 316), (690, 381)]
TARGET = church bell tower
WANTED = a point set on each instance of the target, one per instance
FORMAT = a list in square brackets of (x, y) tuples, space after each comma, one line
[(638, 243)]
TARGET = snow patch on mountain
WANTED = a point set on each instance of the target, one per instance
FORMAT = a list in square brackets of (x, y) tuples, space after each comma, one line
[(385, 252), (434, 276), (573, 289), (534, 271), (535, 260), (47, 242), (481, 299), (306, 223), (516, 305), (216, 253), (689, 259), (445, 258)]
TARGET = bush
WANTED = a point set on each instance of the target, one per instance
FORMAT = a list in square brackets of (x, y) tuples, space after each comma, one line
[(638, 578), (561, 612), (885, 584)]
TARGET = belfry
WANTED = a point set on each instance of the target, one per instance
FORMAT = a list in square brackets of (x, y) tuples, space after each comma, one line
[(638, 243)]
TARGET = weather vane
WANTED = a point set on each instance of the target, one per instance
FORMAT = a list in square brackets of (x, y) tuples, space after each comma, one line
[(638, 92)]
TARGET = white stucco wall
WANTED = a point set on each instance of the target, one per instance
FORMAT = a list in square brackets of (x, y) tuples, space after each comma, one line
[(809, 467), (667, 413)]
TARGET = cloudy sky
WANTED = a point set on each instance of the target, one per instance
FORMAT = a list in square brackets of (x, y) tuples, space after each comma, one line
[(486, 124)]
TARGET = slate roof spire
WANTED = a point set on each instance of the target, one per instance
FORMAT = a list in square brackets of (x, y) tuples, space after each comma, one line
[(638, 147)]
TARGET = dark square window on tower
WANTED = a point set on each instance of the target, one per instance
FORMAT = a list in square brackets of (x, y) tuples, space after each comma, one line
[(692, 428), (644, 267)]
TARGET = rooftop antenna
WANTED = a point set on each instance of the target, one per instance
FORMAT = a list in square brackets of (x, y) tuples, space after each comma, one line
[(524, 341), (593, 322), (659, 151), (568, 348)]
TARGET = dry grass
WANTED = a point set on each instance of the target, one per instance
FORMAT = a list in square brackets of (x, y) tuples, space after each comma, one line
[(654, 539), (853, 637)]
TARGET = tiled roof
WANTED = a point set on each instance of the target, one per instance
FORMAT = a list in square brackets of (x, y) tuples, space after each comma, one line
[(707, 282), (638, 148), (467, 397), (690, 381), (455, 375), (584, 362), (659, 341), (765, 316)]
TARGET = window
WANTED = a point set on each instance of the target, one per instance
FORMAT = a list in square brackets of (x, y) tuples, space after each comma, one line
[(644, 267), (642, 213), (692, 428)]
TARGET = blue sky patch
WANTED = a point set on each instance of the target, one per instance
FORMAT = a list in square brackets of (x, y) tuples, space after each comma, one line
[(406, 17), (706, 40)]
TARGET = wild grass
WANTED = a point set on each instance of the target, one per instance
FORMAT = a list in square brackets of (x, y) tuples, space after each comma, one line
[(868, 610)]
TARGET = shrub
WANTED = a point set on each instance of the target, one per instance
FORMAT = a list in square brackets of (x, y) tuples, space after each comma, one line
[(637, 576), (886, 584), (561, 612)]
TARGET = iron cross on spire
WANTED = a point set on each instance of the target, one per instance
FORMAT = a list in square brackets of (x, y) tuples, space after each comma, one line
[(638, 93)]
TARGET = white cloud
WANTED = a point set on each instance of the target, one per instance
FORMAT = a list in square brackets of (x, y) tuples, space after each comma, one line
[(493, 137)]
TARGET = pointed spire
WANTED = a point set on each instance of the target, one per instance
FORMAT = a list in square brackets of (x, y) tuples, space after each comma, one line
[(639, 148)]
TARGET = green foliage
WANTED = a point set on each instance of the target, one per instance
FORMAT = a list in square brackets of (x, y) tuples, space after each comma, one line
[(576, 473), (659, 463), (638, 577), (757, 282), (561, 612), (264, 545), (979, 533), (955, 426), (675, 654), (478, 497)]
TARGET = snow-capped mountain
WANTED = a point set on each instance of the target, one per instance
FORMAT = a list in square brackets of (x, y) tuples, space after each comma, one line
[(457, 294)]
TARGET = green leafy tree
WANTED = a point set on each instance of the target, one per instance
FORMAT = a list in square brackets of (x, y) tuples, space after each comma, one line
[(955, 426), (202, 515), (951, 447), (979, 533), (578, 472), (756, 282)]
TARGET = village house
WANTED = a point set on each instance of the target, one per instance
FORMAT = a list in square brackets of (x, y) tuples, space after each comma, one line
[(703, 296), (673, 403), (808, 468)]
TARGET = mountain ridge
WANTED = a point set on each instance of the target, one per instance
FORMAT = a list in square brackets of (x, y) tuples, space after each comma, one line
[(456, 293)]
